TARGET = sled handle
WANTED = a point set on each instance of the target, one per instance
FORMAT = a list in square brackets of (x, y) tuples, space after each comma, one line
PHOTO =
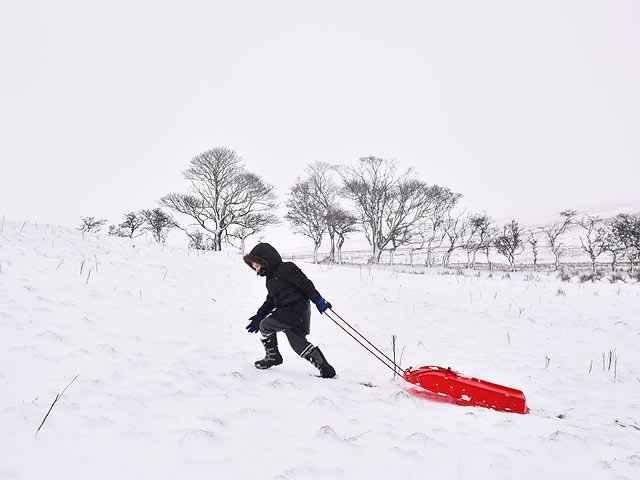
[(388, 363)]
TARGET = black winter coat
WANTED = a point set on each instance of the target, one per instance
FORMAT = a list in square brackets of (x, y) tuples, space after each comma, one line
[(288, 288)]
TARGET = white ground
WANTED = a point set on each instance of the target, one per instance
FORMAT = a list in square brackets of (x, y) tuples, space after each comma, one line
[(166, 386)]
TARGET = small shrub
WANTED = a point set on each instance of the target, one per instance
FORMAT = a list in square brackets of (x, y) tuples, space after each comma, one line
[(565, 277), (200, 241), (561, 292), (91, 224), (590, 277), (131, 227), (615, 277)]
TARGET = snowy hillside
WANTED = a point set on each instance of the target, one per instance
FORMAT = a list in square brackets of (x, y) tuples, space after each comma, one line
[(166, 386)]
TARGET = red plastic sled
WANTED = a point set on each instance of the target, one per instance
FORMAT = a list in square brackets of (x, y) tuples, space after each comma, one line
[(444, 382)]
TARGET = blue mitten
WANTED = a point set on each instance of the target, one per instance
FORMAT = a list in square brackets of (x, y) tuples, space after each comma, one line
[(254, 326), (323, 305)]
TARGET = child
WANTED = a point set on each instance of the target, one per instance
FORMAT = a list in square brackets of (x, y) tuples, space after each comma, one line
[(286, 309)]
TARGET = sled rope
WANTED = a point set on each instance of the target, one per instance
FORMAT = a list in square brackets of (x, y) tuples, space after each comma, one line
[(395, 368)]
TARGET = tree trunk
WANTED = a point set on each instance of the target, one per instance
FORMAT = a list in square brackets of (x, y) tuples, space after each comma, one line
[(375, 253), (429, 258), (332, 251), (340, 243)]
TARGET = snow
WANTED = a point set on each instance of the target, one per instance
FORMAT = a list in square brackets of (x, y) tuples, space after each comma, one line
[(166, 386)]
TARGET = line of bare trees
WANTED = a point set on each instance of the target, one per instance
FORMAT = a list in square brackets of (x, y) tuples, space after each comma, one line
[(395, 209), (392, 207), (476, 233), (134, 224)]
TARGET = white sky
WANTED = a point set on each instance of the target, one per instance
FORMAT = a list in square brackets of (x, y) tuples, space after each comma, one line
[(527, 108)]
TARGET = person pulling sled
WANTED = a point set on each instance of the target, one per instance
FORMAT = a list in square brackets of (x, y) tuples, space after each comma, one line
[(286, 309)]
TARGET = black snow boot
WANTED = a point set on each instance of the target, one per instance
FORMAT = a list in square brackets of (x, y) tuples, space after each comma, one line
[(315, 356), (272, 356)]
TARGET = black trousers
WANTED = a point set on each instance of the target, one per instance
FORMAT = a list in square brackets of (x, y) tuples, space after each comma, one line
[(295, 323)]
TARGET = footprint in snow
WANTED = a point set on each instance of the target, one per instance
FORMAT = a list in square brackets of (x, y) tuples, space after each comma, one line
[(327, 432), (215, 420), (323, 402), (400, 395), (278, 384), (51, 335)]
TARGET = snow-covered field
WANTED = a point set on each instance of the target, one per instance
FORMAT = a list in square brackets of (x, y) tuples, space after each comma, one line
[(166, 386)]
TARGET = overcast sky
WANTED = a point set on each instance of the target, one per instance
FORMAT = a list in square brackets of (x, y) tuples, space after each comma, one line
[(527, 108)]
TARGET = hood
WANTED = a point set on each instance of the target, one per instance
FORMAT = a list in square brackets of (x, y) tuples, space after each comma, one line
[(265, 255)]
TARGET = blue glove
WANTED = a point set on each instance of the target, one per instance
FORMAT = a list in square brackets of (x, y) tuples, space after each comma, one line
[(323, 305), (254, 326)]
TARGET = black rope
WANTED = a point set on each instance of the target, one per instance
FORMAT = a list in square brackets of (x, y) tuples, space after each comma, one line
[(395, 369)]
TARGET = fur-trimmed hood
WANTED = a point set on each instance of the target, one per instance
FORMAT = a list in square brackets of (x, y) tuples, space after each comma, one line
[(266, 256)]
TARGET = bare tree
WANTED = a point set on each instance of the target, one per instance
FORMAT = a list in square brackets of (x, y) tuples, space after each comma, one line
[(627, 230), (344, 223), (389, 204), (306, 214), (614, 245), (370, 186), (479, 236), (411, 202), (402, 236), (454, 230), (430, 229), (486, 235), (222, 194), (510, 243), (91, 224), (555, 231), (594, 239), (131, 227), (533, 240), (324, 190), (158, 223)]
